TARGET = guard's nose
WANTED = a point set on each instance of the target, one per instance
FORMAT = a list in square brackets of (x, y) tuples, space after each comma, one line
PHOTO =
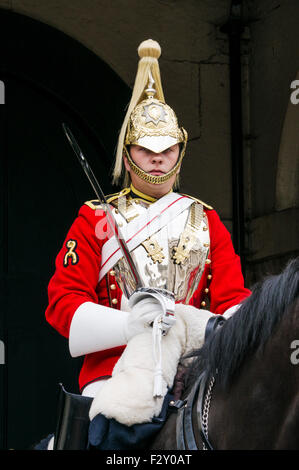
[(157, 157)]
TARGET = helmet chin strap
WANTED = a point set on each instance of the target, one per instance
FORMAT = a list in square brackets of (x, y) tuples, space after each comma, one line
[(154, 179)]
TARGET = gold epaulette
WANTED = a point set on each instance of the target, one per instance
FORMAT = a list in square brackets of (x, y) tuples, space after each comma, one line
[(198, 200), (94, 204), (112, 197)]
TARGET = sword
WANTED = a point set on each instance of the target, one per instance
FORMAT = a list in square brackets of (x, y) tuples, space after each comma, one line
[(100, 195)]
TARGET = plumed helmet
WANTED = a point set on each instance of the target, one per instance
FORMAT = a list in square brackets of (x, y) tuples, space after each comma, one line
[(149, 121)]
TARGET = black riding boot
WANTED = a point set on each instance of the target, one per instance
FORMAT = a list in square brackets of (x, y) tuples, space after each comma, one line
[(72, 421)]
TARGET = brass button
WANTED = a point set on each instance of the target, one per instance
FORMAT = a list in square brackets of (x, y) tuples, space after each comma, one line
[(116, 211), (208, 261), (206, 245), (114, 301), (203, 304), (205, 228), (113, 287), (206, 290), (112, 273), (209, 276)]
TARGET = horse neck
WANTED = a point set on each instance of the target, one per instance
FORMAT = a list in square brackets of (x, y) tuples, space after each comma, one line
[(260, 409)]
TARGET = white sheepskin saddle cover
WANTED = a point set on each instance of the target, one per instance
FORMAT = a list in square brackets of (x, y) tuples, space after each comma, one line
[(128, 395)]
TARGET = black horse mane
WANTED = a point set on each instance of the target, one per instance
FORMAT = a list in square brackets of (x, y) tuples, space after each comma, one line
[(249, 328)]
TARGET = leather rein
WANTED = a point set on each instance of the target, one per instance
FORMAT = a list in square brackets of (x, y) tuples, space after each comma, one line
[(185, 437), (202, 392)]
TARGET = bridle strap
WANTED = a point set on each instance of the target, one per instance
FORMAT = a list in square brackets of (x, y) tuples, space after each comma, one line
[(180, 439), (184, 427), (187, 422)]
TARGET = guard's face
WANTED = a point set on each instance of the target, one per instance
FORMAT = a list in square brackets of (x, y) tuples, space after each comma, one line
[(153, 163)]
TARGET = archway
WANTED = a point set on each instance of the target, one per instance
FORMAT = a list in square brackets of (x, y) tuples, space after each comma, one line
[(49, 78)]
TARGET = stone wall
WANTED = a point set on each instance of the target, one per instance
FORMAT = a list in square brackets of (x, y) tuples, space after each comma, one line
[(273, 232)]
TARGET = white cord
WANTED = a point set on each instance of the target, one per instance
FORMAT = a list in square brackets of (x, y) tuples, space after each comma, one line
[(157, 353)]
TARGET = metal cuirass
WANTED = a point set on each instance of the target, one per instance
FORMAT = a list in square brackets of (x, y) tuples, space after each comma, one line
[(173, 258)]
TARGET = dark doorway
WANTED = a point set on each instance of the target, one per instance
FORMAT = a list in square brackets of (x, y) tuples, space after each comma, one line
[(49, 78)]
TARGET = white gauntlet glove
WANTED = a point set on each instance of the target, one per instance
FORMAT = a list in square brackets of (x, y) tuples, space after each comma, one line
[(153, 304), (142, 316)]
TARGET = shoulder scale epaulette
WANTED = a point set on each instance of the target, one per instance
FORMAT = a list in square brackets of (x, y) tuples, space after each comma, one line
[(198, 200), (114, 196), (96, 204)]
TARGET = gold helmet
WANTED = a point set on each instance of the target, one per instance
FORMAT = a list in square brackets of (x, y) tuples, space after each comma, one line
[(149, 121)]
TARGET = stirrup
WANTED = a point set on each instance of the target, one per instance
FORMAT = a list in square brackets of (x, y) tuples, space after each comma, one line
[(72, 421)]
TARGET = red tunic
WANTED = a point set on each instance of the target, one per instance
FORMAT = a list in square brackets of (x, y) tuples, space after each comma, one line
[(76, 280)]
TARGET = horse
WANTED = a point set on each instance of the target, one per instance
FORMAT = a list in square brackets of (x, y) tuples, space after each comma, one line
[(242, 387), (249, 398)]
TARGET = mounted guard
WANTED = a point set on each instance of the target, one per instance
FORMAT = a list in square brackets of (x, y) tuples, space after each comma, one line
[(133, 329)]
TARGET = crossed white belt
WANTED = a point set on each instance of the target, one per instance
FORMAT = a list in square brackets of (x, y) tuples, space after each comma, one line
[(159, 214)]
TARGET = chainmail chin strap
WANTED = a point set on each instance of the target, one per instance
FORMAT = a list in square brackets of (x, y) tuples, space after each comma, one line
[(154, 179)]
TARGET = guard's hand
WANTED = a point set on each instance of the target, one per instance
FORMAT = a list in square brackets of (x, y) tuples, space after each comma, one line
[(167, 321), (142, 315)]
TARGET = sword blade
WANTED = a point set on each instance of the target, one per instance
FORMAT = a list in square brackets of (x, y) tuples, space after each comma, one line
[(100, 195)]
